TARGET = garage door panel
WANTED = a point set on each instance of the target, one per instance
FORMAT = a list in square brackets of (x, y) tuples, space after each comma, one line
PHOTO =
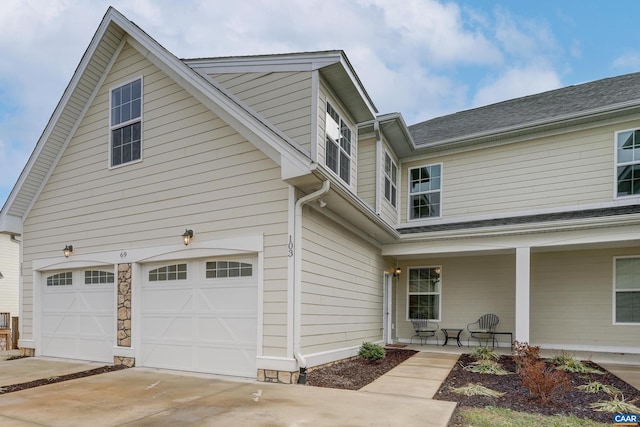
[(228, 329), (167, 299), (58, 346), (231, 299), (60, 302), (234, 360), (200, 324), (170, 328), (78, 320), (94, 302), (97, 325), (160, 355)]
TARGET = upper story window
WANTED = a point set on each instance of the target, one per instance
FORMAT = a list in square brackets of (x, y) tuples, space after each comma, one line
[(390, 180), (425, 183), (628, 162), (338, 146), (126, 123), (627, 290)]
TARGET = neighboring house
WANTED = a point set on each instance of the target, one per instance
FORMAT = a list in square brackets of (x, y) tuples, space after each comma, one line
[(302, 201), (9, 263)]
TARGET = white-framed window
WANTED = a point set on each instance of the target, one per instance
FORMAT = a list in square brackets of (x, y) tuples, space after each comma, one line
[(390, 180), (225, 269), (425, 188), (628, 163), (168, 272), (60, 279), (95, 277), (126, 123), (338, 144), (424, 292), (626, 299)]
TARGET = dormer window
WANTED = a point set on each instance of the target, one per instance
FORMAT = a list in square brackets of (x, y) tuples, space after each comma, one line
[(126, 123), (338, 146)]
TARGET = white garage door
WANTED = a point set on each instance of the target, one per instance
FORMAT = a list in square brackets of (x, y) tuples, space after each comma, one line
[(78, 314), (201, 316)]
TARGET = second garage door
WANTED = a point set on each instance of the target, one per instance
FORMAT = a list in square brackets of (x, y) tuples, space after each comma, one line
[(78, 314), (201, 316)]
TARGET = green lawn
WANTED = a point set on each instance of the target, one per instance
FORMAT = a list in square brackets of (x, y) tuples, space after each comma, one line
[(498, 417)]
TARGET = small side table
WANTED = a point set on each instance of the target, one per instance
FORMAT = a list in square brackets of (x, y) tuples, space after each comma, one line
[(447, 331)]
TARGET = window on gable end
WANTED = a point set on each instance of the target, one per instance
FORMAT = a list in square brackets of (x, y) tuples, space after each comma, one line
[(338, 144), (390, 180), (126, 123)]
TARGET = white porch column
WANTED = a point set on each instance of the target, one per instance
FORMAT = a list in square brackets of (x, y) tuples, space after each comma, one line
[(523, 267)]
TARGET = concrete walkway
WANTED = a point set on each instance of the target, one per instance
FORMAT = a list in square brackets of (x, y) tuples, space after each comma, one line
[(419, 376)]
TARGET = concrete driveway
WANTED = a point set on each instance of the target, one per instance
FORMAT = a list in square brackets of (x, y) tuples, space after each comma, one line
[(149, 397)]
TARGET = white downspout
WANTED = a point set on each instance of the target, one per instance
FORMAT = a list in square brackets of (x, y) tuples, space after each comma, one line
[(297, 271)]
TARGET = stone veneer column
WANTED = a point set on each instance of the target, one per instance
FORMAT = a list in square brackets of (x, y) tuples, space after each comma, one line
[(124, 313), (273, 376)]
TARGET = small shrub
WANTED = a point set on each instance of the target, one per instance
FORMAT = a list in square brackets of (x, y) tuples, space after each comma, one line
[(372, 352), (476, 390), (616, 405), (574, 365), (484, 353), (484, 366), (545, 382), (525, 354), (561, 358), (597, 387)]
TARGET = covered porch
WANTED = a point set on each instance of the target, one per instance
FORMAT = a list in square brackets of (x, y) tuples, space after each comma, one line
[(559, 291)]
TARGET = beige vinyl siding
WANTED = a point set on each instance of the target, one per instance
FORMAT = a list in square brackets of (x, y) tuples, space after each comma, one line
[(576, 168), (196, 172), (572, 300), (9, 267), (283, 98), (327, 95), (341, 287), (471, 287), (367, 171)]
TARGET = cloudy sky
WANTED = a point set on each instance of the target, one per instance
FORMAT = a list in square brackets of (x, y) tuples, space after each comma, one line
[(423, 58)]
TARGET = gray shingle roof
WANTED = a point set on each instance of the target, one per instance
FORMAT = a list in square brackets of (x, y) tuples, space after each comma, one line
[(526, 219), (546, 106)]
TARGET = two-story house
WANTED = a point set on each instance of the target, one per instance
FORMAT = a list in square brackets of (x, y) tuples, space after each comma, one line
[(246, 215)]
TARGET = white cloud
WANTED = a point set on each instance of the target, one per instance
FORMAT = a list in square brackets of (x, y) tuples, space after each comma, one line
[(517, 82), (629, 61), (436, 32), (412, 56)]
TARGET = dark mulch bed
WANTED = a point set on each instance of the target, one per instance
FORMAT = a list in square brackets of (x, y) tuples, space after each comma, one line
[(518, 398), (355, 373), (58, 379)]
